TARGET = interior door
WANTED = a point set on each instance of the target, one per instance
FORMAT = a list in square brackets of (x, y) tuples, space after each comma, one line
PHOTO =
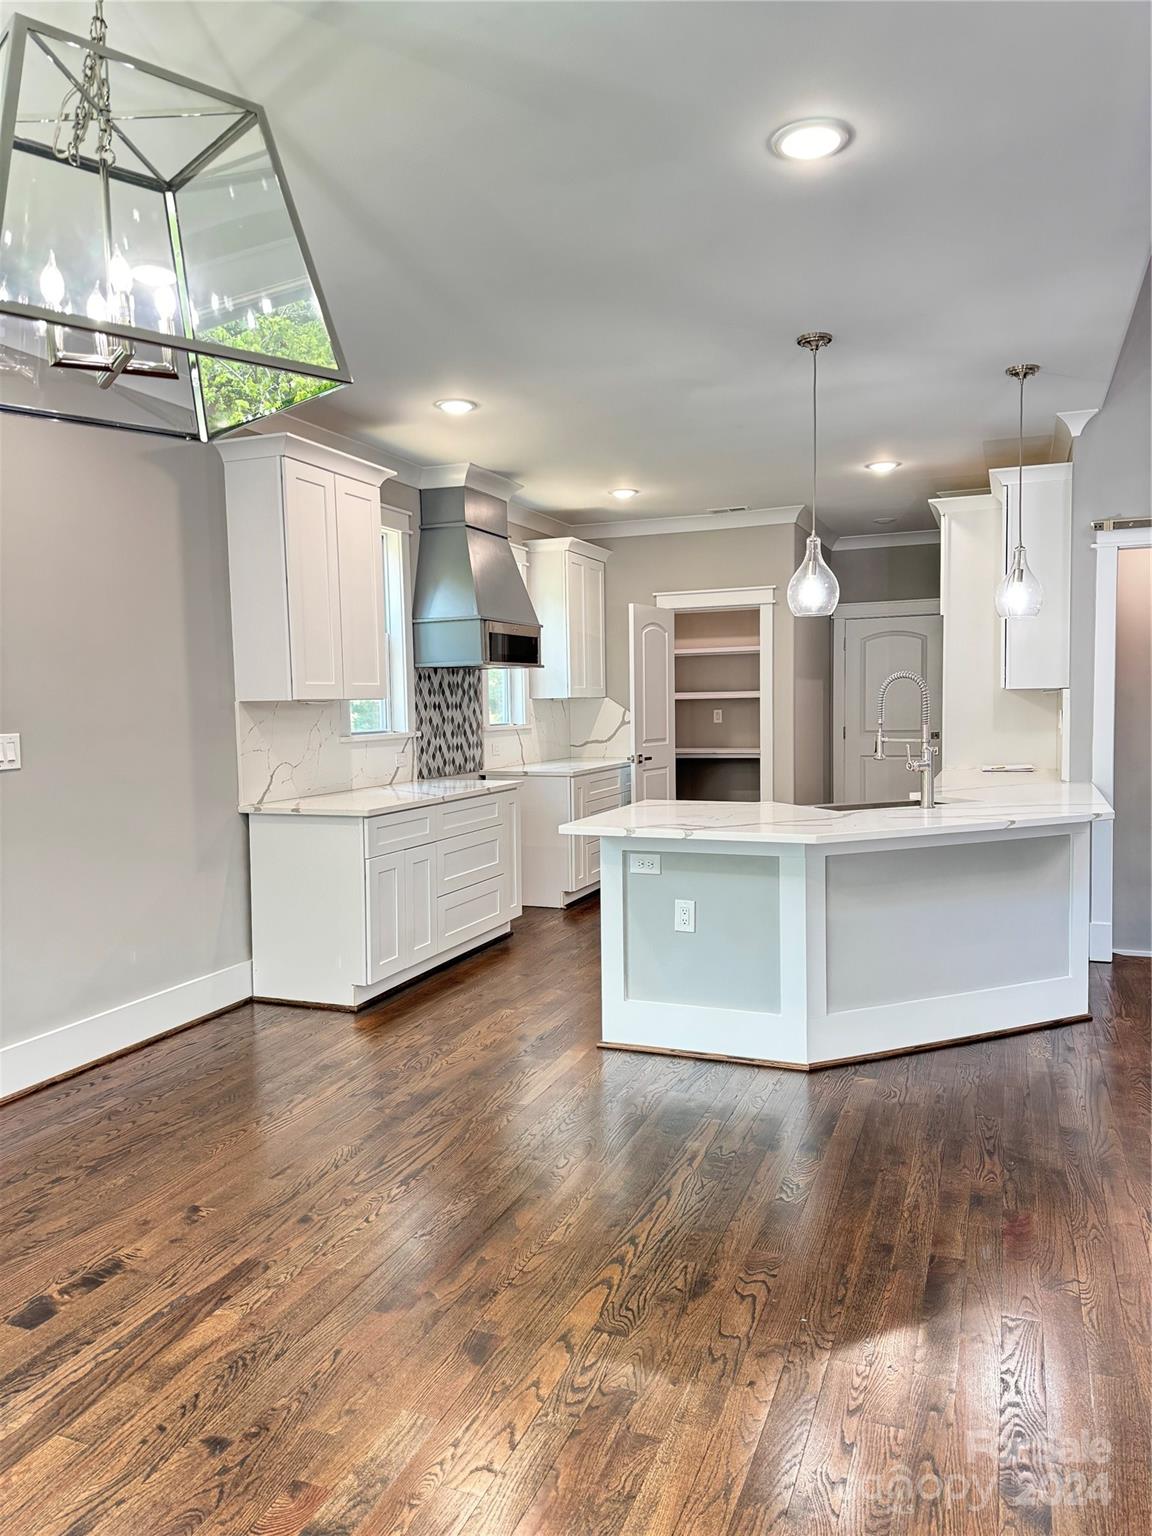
[(874, 648), (650, 700)]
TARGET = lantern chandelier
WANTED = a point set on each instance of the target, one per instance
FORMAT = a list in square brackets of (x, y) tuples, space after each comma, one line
[(153, 274)]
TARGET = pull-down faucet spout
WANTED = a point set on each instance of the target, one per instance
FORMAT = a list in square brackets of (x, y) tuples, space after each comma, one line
[(923, 764)]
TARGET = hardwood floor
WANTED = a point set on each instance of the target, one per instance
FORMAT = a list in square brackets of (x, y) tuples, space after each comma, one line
[(448, 1268)]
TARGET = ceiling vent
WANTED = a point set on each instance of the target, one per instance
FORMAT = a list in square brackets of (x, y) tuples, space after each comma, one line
[(716, 511)]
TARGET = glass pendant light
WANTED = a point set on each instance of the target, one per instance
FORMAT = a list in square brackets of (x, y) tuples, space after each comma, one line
[(813, 591), (1019, 594), (153, 272)]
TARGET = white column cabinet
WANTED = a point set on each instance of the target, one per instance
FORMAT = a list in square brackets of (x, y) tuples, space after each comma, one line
[(305, 570), (566, 583)]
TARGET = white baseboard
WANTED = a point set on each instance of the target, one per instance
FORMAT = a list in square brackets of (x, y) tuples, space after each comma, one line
[(1135, 954), (1099, 941), (29, 1062)]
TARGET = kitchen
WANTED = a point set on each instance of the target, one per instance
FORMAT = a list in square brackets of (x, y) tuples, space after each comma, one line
[(574, 851)]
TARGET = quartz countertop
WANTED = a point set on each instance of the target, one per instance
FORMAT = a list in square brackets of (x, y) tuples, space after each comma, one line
[(566, 767), (990, 808), (379, 800)]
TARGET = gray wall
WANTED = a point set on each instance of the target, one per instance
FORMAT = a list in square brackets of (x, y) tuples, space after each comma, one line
[(735, 557), (887, 575), (1132, 863), (123, 865), (1111, 478)]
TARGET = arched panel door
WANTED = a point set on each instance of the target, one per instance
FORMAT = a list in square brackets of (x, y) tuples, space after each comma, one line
[(874, 648), (651, 689)]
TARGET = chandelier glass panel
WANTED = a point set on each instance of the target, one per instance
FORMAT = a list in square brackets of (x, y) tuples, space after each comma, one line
[(153, 274)]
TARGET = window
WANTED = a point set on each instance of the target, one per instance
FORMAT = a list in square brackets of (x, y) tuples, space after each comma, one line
[(391, 715), (506, 698)]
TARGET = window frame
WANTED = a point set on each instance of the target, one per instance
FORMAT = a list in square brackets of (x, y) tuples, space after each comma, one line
[(395, 553), (517, 700)]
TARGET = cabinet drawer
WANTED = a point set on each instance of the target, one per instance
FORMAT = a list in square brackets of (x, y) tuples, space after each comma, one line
[(470, 858), (464, 914), (401, 829), (596, 792), (466, 815)]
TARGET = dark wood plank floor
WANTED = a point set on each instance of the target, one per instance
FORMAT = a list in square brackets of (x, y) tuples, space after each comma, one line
[(451, 1269)]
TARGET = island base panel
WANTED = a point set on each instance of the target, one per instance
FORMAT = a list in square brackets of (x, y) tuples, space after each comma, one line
[(809, 956)]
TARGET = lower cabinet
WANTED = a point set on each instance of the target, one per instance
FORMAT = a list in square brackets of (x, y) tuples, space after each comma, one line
[(341, 906), (557, 869)]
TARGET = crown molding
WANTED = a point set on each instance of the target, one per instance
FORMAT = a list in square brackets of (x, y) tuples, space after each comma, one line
[(437, 477), (700, 522), (885, 540), (290, 445), (539, 522), (398, 467), (942, 505)]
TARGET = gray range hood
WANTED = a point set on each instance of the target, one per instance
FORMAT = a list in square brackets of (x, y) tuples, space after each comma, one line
[(470, 607)]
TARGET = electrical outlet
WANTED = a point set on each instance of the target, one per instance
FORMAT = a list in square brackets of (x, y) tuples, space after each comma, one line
[(685, 921), (717, 717), (9, 751), (643, 863)]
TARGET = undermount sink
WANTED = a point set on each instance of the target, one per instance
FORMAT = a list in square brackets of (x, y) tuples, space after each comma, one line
[(877, 805)]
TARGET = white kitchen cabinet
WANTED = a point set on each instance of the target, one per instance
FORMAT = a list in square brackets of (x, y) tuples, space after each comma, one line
[(1035, 652), (556, 870), (305, 570), (566, 584), (345, 907), (401, 911)]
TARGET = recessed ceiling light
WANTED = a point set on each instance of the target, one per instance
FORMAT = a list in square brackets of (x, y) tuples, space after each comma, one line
[(456, 407), (813, 138), (883, 466), (624, 493)]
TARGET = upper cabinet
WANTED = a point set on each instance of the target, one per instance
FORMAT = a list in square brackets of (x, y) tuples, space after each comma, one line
[(566, 583), (306, 570), (1035, 652)]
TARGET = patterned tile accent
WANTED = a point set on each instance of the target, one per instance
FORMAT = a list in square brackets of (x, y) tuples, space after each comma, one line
[(450, 719)]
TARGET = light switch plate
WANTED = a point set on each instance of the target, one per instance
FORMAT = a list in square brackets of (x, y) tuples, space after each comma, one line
[(9, 751), (643, 863), (717, 717), (685, 918)]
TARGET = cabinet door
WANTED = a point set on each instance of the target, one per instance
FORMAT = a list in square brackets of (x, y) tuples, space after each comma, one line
[(592, 626), (574, 584), (363, 635), (1035, 652), (387, 943), (420, 903), (312, 558)]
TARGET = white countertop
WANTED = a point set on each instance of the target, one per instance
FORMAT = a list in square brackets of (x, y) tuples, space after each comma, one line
[(379, 800), (990, 808), (566, 767)]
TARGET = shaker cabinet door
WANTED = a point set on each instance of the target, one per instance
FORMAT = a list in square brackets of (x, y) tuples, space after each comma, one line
[(363, 634), (387, 924), (313, 568)]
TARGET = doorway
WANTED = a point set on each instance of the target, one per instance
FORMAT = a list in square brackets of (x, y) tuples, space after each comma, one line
[(869, 642)]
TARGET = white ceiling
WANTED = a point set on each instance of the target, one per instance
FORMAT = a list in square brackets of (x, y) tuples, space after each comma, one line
[(566, 211)]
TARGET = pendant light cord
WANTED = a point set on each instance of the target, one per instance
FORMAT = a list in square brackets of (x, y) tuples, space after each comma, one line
[(1020, 466), (815, 353)]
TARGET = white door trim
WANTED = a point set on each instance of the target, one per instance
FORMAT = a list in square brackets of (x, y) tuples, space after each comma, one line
[(905, 606), (1108, 545), (764, 598)]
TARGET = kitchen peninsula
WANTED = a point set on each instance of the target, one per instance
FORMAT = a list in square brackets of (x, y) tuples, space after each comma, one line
[(798, 936)]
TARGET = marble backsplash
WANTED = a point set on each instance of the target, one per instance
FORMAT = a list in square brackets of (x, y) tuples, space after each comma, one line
[(598, 728), (546, 736), (289, 749)]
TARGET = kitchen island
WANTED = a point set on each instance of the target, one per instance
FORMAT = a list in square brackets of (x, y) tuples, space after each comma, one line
[(798, 936)]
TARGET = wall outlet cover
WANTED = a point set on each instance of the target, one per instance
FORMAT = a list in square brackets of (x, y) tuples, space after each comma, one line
[(10, 751), (643, 863), (685, 916)]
